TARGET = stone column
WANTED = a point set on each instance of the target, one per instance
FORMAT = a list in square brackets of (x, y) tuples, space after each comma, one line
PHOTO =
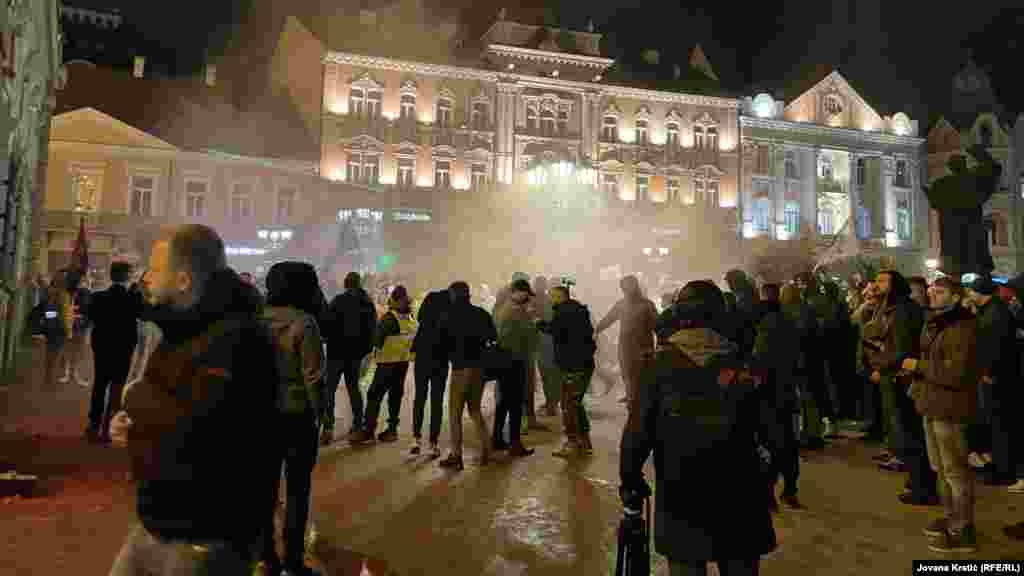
[(852, 192), (590, 124), (777, 170), (504, 137)]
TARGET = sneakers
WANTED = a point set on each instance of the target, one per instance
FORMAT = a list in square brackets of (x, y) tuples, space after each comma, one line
[(791, 502), (1017, 487), (453, 461), (950, 543), (435, 450), (389, 435), (937, 527), (360, 436), (415, 449), (568, 450)]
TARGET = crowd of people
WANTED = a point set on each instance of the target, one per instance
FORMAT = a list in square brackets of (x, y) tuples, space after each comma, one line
[(188, 354)]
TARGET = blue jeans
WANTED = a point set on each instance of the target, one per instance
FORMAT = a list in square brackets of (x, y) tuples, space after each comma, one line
[(144, 554)]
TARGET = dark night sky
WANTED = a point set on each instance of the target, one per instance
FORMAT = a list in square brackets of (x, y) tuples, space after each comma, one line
[(899, 55)]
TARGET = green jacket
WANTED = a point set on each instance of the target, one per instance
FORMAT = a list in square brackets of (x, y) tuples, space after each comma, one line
[(517, 332), (300, 358)]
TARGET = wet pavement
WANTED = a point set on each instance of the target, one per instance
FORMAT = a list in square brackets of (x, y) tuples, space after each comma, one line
[(381, 512)]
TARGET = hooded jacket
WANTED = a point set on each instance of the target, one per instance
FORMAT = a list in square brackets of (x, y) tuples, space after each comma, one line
[(892, 333), (709, 499), (202, 468), (350, 324), (470, 330), (300, 358), (945, 382), (573, 334), (431, 341)]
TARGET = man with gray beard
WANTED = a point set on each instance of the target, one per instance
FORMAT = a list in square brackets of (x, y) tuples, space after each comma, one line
[(637, 316)]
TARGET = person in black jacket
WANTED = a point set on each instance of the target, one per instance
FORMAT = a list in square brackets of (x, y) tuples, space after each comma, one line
[(349, 326), (430, 368), (114, 313), (470, 332), (573, 333), (203, 471), (699, 416)]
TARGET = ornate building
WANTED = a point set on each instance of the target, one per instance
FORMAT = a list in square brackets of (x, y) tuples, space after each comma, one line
[(975, 117), (827, 164)]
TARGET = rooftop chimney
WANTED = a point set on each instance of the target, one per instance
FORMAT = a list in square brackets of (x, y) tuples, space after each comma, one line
[(140, 66)]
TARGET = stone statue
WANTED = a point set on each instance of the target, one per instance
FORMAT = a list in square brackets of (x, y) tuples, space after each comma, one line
[(502, 13), (590, 26), (958, 197)]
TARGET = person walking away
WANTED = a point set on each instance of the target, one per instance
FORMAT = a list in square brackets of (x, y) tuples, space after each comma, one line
[(891, 336), (393, 346), (551, 376), (470, 331), (821, 426), (999, 364), (349, 326), (944, 390), (114, 314), (57, 327), (430, 368), (637, 316), (203, 472), (699, 417), (517, 336), (776, 358), (573, 334), (293, 303)]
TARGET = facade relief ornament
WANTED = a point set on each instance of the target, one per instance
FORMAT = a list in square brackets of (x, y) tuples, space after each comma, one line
[(611, 109), (705, 119)]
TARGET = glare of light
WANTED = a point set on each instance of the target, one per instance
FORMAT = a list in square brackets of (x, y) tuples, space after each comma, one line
[(337, 175), (748, 230), (286, 234), (868, 127), (597, 78), (387, 179), (625, 135), (663, 251), (686, 138), (244, 251), (511, 66), (339, 106), (424, 182), (554, 73), (647, 251), (275, 236), (891, 239), (389, 116), (262, 234), (780, 232), (931, 263), (460, 183), (764, 107), (725, 143), (726, 203)]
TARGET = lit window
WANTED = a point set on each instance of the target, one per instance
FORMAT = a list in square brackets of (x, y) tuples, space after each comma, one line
[(825, 167), (142, 196), (285, 204), (85, 186), (825, 225), (641, 131), (705, 188), (903, 223), (241, 202), (712, 194), (547, 123), (363, 168), (563, 122), (672, 134), (610, 129), (408, 107), (861, 171), (762, 209), (442, 174), (642, 187), (610, 185), (479, 176), (373, 104), (195, 198), (356, 101), (791, 171), (712, 138), (698, 137), (672, 190), (479, 116), (444, 112), (791, 218), (406, 169), (531, 119), (863, 223), (901, 178)]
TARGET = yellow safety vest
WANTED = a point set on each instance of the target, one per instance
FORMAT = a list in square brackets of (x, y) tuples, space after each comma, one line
[(398, 348)]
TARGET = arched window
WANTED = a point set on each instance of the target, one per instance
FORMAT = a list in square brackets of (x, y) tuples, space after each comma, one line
[(698, 137), (356, 100), (826, 226), (408, 106), (547, 123), (610, 129), (712, 138), (791, 172), (444, 112), (791, 216), (672, 134)]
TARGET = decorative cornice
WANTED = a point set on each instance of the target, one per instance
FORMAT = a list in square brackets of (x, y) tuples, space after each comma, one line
[(531, 54), (462, 73), (828, 131)]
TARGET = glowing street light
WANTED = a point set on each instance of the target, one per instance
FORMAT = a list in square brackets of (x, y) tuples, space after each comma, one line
[(648, 251)]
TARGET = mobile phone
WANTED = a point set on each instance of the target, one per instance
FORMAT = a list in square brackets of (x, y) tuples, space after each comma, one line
[(50, 315)]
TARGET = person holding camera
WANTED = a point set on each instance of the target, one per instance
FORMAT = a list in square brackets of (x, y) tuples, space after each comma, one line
[(698, 412)]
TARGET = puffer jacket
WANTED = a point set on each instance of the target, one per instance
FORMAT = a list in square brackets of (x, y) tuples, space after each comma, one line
[(300, 358)]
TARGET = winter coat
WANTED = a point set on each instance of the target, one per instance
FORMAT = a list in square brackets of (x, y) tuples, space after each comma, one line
[(300, 359), (199, 439), (774, 353), (945, 384), (349, 325), (470, 330), (573, 334), (997, 354), (431, 341), (517, 332), (115, 313), (710, 501), (892, 335)]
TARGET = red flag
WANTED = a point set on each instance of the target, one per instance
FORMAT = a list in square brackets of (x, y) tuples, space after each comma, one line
[(80, 255)]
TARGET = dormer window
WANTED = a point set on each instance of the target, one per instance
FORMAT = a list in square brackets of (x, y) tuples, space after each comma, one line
[(610, 129), (408, 107), (672, 134), (444, 112), (641, 131), (825, 168), (531, 119)]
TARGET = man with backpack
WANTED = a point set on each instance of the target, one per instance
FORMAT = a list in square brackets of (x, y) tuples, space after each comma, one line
[(699, 416), (349, 326)]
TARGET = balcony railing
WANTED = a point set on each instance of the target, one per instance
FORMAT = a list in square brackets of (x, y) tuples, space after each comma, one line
[(830, 186), (445, 138), (353, 126)]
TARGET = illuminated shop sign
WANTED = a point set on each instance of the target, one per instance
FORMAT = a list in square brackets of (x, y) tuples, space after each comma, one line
[(361, 214), (409, 216), (244, 251)]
